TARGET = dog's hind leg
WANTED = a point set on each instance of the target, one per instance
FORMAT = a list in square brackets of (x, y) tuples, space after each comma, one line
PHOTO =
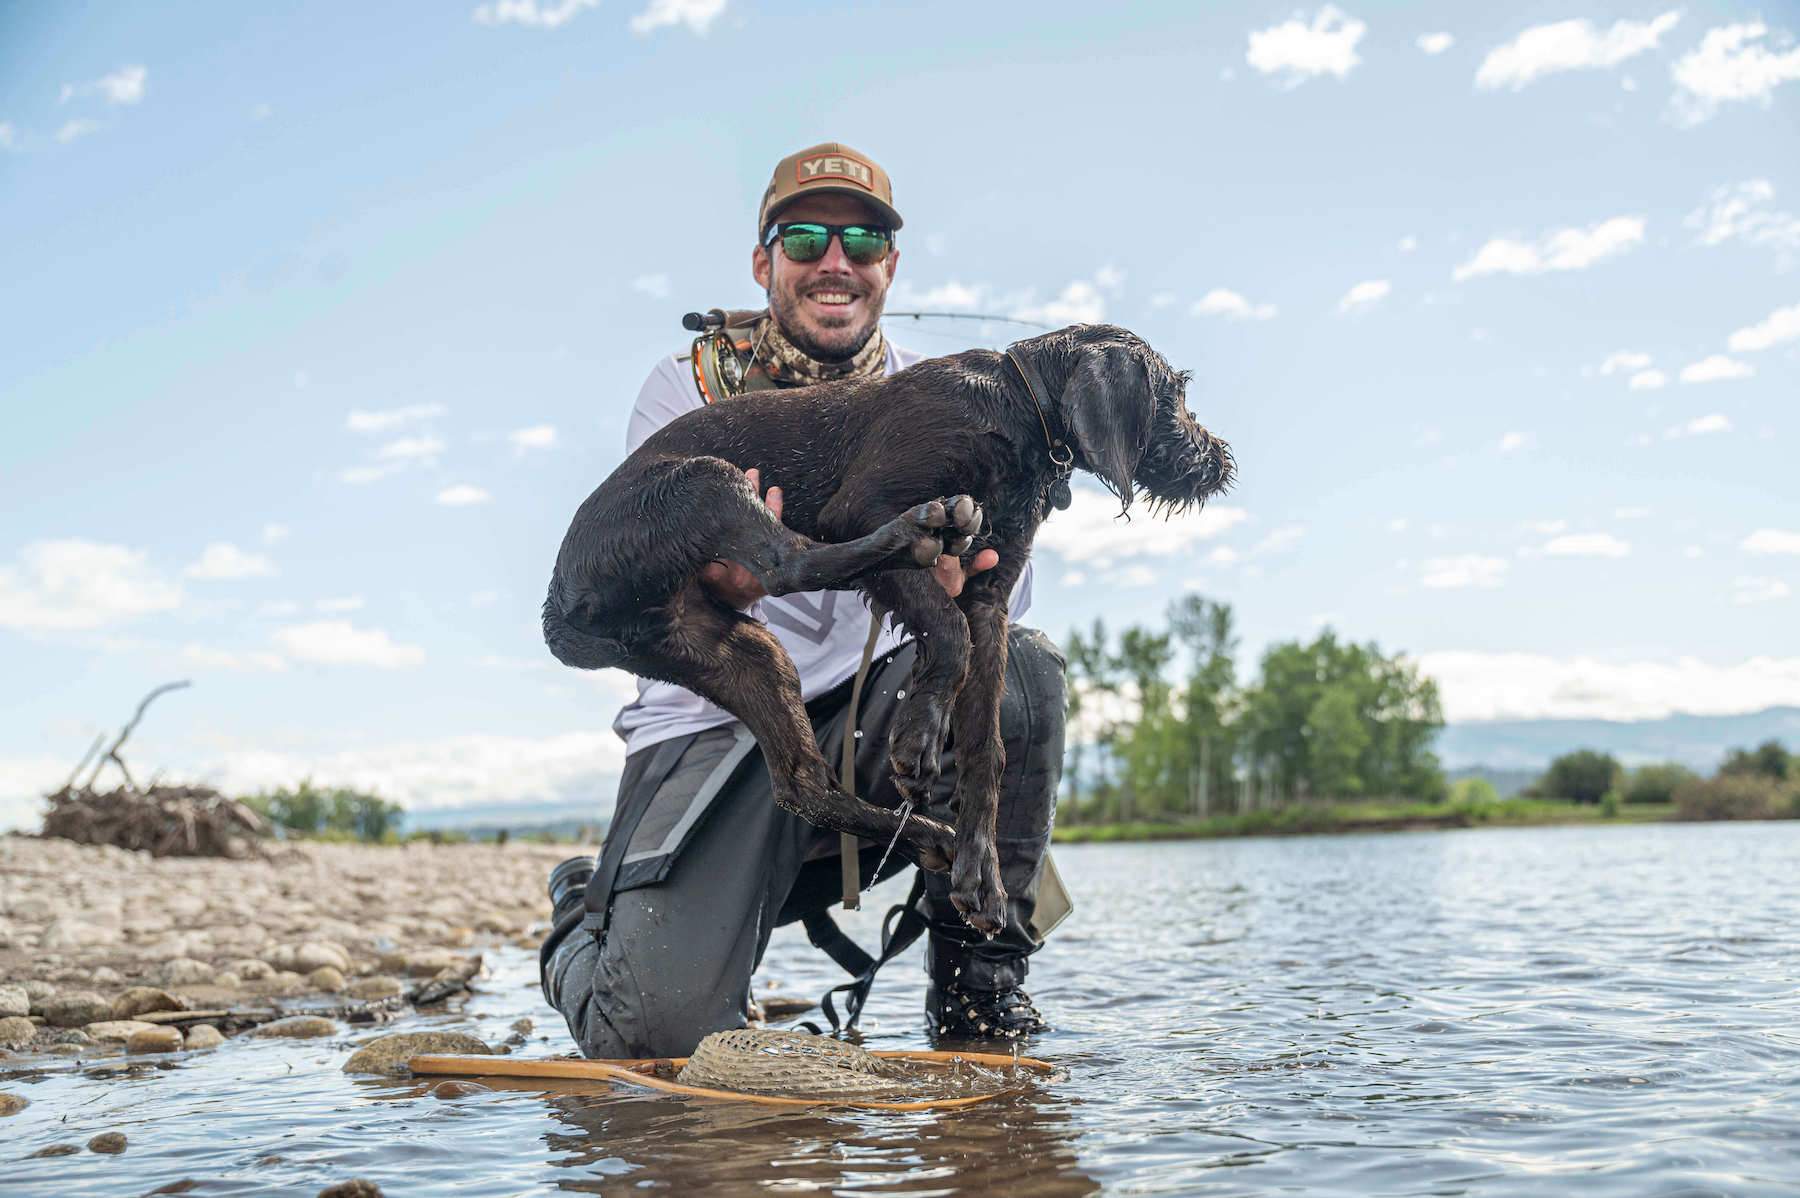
[(738, 664), (784, 561), (941, 632)]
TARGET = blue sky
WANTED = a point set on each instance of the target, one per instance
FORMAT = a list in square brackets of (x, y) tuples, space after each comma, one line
[(320, 322)]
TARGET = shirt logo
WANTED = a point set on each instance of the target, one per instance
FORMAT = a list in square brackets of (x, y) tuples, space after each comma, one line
[(836, 166)]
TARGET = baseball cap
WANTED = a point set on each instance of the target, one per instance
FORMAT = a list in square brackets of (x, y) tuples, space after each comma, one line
[(828, 166)]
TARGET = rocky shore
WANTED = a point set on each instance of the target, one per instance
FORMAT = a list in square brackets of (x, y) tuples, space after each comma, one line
[(107, 952)]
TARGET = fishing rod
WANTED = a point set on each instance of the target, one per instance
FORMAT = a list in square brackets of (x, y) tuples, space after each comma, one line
[(984, 317)]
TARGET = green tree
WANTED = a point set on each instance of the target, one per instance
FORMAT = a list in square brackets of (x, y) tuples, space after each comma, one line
[(1473, 792), (1583, 776), (1655, 783), (1768, 760), (1207, 748)]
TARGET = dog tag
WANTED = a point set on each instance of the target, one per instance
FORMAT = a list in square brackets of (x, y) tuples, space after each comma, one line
[(1060, 498)]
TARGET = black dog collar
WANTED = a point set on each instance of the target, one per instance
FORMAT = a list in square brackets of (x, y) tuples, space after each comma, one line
[(1062, 458)]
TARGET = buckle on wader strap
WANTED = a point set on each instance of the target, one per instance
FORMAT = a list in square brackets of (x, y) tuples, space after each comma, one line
[(901, 927)]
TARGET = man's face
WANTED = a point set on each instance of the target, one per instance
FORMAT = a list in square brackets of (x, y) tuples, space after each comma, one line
[(827, 308)]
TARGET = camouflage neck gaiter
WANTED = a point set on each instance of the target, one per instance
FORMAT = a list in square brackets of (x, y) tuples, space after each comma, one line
[(790, 366)]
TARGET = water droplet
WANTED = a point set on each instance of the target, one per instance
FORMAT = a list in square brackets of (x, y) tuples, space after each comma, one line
[(900, 694), (859, 734)]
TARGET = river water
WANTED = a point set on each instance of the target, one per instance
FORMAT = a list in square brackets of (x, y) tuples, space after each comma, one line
[(1535, 1011)]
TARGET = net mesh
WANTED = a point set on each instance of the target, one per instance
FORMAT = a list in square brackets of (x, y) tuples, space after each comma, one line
[(795, 1064)]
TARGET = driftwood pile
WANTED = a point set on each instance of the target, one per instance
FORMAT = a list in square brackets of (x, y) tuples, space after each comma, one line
[(164, 821)]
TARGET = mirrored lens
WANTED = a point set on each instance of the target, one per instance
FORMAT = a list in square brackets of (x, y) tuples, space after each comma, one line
[(865, 246), (805, 243)]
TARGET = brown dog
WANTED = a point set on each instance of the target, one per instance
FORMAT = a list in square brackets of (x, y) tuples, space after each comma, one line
[(997, 433)]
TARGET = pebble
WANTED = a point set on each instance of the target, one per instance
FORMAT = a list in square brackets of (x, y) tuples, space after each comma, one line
[(430, 962), (74, 933), (457, 1089), (110, 1142), (355, 1188), (297, 1027), (38, 993), (154, 1039), (185, 971), (251, 970), (374, 988), (141, 1000), (14, 1001), (314, 953), (55, 1150), (523, 1026), (227, 980), (204, 1035), (389, 1054), (16, 1031), (117, 1031), (106, 975), (328, 978), (12, 1104), (65, 1050), (76, 1009)]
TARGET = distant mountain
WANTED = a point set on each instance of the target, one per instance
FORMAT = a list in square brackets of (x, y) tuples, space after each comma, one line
[(1696, 741)]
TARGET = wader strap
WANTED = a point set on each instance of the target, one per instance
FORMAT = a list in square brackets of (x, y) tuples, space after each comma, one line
[(899, 930), (598, 898), (847, 846)]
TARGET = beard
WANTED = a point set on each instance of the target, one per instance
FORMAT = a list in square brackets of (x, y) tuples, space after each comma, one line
[(831, 339)]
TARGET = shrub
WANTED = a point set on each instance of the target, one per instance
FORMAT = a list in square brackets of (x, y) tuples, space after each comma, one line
[(1735, 796), (1656, 783), (1584, 776), (1473, 791), (1768, 760)]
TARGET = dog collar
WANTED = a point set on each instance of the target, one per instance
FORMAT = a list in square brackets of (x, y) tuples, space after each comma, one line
[(1062, 458)]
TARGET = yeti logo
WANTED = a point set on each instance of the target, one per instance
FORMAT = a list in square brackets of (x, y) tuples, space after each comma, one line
[(836, 166)]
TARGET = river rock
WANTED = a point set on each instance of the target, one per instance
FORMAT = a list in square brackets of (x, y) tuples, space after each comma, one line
[(251, 970), (64, 1050), (16, 1031), (429, 962), (38, 993), (297, 1027), (389, 1054), (155, 1039), (227, 980), (72, 1035), (106, 975), (328, 978), (204, 1035), (55, 1150), (314, 953), (14, 1001), (110, 1142), (141, 1000), (354, 1188), (12, 1104), (77, 1008), (375, 988), (116, 1031), (184, 971), (74, 933)]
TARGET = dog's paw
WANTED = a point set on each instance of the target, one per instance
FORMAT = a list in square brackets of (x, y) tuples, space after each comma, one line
[(941, 526), (915, 750), (930, 842), (964, 524), (977, 891)]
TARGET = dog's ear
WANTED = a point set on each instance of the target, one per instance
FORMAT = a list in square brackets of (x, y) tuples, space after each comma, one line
[(1107, 408)]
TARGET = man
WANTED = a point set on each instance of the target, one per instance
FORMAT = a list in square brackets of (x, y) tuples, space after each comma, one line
[(655, 947)]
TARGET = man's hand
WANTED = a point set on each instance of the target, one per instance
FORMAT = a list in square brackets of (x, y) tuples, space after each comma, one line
[(735, 585)]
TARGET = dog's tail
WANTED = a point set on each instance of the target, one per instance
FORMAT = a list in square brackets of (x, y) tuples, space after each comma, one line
[(573, 645)]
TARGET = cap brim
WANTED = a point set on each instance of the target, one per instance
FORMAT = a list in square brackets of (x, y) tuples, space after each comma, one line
[(888, 215)]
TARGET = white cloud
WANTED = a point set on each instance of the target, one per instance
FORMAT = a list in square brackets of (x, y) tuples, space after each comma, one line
[(1624, 360), (462, 495), (1408, 244), (73, 129), (1367, 292), (1700, 426), (224, 659), (1745, 590), (1280, 539), (274, 534), (1398, 524), (367, 474), (1163, 299), (655, 286), (1091, 531), (1716, 368), (8, 139), (1630, 513), (1223, 555), (1731, 65), (1514, 441), (1465, 570), (1587, 544), (380, 422), (1548, 528), (74, 584), (123, 86), (338, 642), (1325, 47), (1561, 249), (1783, 324), (411, 449), (1772, 541), (1569, 46), (1079, 303), (1109, 277), (538, 436), (1435, 43), (1745, 212), (280, 608), (1648, 380), (553, 14), (697, 15), (339, 606), (224, 561), (484, 598), (952, 295), (1222, 302), (1502, 686)]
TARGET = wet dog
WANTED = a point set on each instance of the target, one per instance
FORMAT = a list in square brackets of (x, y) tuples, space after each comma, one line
[(879, 476)]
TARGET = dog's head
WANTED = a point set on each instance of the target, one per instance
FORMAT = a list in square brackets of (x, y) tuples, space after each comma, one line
[(1124, 411)]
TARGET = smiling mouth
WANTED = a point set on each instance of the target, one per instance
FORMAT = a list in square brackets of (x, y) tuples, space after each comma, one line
[(832, 299)]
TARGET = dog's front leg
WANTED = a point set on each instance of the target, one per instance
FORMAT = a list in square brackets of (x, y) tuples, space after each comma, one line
[(975, 885)]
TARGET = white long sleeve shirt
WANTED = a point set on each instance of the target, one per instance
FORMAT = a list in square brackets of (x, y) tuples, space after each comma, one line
[(823, 631)]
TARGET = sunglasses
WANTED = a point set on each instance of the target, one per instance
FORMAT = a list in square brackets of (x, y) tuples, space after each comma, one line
[(804, 241)]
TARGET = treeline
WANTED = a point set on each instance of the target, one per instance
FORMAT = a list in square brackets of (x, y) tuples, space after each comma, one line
[(1161, 728), (1759, 783), (328, 813)]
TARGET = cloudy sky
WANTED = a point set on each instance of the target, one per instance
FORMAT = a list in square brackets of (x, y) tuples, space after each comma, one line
[(320, 323)]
